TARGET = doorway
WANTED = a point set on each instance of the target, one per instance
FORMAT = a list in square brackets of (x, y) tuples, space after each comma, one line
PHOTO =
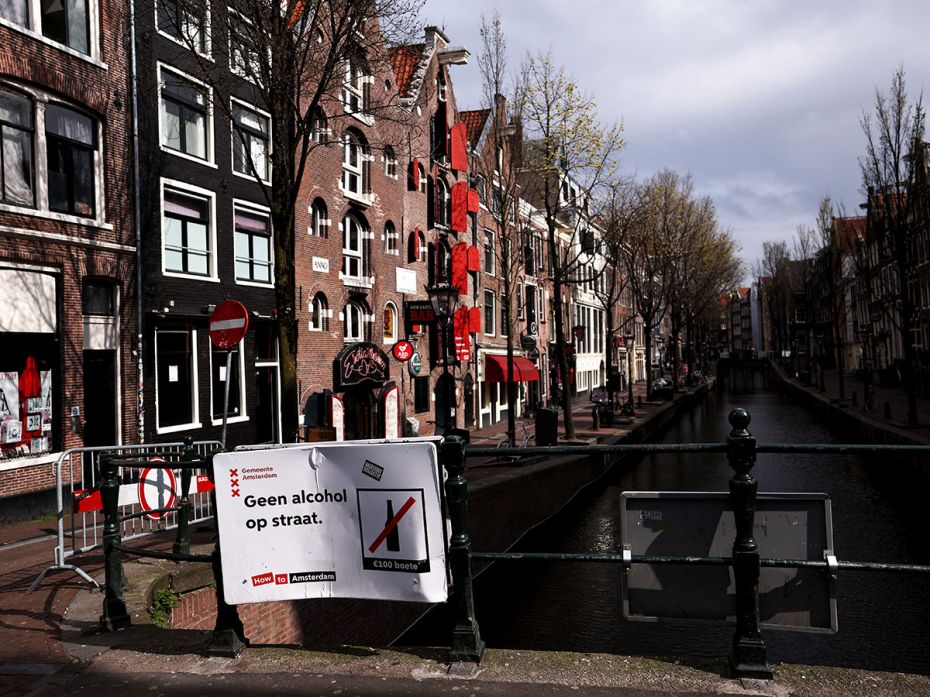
[(444, 395), (361, 414), (267, 427), (100, 398)]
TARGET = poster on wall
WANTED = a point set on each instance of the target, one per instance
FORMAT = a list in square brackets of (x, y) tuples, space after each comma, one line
[(9, 396), (46, 377)]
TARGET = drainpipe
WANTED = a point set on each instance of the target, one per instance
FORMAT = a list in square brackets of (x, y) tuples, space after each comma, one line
[(137, 223)]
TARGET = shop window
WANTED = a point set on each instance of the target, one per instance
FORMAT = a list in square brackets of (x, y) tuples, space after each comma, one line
[(319, 226), (16, 135), (391, 239), (389, 334), (176, 368), (98, 298), (490, 310), (184, 22), (185, 117), (71, 144), (252, 245), (187, 230), (421, 394), (319, 314), (354, 323), (251, 138), (234, 408)]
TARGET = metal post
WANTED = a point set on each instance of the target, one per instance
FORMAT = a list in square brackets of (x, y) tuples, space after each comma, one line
[(228, 637), (226, 396), (182, 544), (466, 637), (115, 616), (748, 659)]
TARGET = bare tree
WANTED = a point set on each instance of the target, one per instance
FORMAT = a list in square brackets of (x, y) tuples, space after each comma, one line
[(892, 167), (294, 59), (568, 156)]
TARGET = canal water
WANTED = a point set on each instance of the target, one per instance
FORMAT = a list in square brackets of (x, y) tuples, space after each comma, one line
[(879, 514)]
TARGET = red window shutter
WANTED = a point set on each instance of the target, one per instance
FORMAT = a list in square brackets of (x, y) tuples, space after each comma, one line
[(474, 259), (414, 174), (459, 221), (474, 320), (458, 151), (414, 254), (460, 267), (474, 203)]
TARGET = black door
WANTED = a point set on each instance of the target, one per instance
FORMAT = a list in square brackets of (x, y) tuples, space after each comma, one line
[(445, 404), (266, 404), (99, 398), (361, 414)]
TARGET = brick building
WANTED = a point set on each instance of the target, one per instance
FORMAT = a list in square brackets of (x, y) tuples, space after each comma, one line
[(67, 257)]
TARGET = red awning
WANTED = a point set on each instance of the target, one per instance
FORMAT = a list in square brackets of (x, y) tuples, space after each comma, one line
[(496, 369)]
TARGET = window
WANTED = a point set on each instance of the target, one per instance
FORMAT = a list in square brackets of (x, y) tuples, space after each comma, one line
[(443, 262), (67, 23), (184, 22), (186, 228), (389, 334), (16, 11), (354, 164), (353, 323), (16, 148), (319, 224), (354, 89), (252, 245), (443, 203), (481, 187), (353, 248), (505, 316), (391, 239), (390, 162), (422, 171), (184, 116), (176, 368), (319, 314), (520, 307), (441, 86), (319, 131), (489, 258), (250, 142), (234, 408), (98, 298), (489, 312), (424, 250), (70, 143), (244, 56), (421, 394)]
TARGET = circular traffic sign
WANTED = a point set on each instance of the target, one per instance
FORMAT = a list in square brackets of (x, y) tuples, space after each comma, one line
[(156, 490), (403, 351), (228, 324)]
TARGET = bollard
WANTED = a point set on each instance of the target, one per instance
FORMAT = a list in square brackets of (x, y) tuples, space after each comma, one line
[(466, 636), (182, 544), (228, 637), (115, 616), (748, 659)]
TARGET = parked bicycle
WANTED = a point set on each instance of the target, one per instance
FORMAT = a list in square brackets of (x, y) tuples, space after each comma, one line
[(528, 440)]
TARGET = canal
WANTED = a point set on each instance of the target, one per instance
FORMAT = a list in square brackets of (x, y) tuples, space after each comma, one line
[(878, 513)]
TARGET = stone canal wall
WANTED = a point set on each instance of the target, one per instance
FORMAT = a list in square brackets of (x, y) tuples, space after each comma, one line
[(501, 509)]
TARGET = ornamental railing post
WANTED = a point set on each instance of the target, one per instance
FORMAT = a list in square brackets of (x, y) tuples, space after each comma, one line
[(115, 616), (182, 545), (466, 637), (228, 637), (748, 658)]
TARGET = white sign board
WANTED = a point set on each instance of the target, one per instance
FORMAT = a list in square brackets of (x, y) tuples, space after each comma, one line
[(406, 281), (332, 520)]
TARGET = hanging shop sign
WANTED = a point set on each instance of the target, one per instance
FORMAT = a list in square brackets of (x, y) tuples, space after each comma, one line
[(418, 312), (415, 364), (527, 342), (358, 363), (403, 351)]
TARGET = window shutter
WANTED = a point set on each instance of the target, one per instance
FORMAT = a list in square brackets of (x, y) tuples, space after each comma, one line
[(460, 267), (414, 246), (459, 221), (413, 177), (430, 202), (458, 154), (474, 320), (474, 259), (474, 202)]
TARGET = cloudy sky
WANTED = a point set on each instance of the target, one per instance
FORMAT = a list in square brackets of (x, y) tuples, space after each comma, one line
[(759, 100)]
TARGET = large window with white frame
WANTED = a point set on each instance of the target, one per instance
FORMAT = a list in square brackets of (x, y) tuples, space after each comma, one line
[(251, 141), (354, 323), (354, 234), (176, 379), (185, 22), (319, 313), (355, 88), (235, 408), (490, 309), (49, 155), (354, 163), (187, 231), (70, 24), (389, 330), (245, 48), (253, 248), (490, 258), (443, 203), (390, 162), (391, 239), (319, 219), (186, 115)]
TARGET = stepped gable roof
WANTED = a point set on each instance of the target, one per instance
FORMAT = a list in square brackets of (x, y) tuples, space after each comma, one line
[(474, 121), (405, 60)]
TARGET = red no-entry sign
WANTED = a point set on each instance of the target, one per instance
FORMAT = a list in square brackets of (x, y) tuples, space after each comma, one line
[(228, 324)]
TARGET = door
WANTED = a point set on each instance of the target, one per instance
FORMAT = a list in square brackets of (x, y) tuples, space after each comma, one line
[(361, 414), (99, 407), (445, 404), (266, 404)]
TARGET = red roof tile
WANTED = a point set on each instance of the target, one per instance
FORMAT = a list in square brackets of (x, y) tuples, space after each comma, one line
[(474, 123), (404, 60), (848, 230)]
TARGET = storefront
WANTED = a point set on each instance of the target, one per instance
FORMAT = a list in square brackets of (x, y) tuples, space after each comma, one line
[(364, 402), (493, 386)]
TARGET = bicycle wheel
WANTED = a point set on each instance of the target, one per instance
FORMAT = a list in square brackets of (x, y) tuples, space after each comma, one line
[(530, 442)]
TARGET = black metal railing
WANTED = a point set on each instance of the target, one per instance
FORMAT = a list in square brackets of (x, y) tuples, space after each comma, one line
[(748, 655), (228, 635)]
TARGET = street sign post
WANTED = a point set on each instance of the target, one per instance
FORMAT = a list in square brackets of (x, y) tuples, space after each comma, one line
[(228, 324)]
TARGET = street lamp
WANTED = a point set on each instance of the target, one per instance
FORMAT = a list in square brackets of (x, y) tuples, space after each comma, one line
[(628, 342), (443, 296)]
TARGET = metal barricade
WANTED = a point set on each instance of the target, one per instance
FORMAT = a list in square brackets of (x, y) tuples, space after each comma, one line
[(85, 531)]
